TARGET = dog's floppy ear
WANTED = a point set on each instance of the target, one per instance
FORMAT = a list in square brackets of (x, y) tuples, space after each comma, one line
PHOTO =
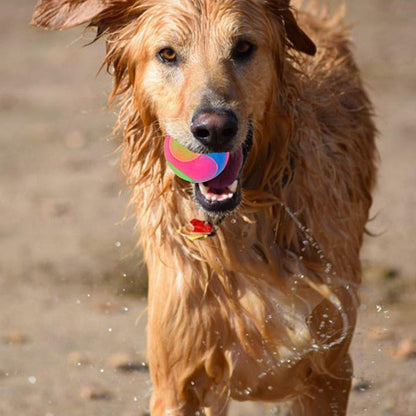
[(64, 14), (296, 37)]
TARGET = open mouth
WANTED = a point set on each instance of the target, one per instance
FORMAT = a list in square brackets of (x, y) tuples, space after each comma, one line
[(223, 193)]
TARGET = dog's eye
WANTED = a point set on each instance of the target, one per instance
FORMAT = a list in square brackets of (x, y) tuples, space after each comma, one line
[(242, 50), (167, 55)]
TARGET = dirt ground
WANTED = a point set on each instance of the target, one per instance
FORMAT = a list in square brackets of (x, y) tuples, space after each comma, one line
[(72, 307)]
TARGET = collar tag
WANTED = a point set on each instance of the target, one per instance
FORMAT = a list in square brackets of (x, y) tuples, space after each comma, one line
[(197, 230)]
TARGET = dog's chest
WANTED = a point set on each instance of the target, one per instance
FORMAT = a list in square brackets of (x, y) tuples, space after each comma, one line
[(261, 335), (264, 345)]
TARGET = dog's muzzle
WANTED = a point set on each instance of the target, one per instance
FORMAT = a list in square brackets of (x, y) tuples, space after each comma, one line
[(223, 193)]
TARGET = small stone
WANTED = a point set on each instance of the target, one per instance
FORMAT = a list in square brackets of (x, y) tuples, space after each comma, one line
[(127, 362), (406, 349), (391, 273), (360, 385), (55, 208), (15, 337), (94, 392)]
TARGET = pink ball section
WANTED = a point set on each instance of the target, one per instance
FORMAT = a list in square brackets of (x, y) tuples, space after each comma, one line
[(193, 167)]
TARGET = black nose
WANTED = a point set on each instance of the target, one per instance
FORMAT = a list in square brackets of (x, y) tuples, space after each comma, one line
[(215, 129)]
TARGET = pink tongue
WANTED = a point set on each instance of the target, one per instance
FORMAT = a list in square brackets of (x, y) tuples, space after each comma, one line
[(230, 173)]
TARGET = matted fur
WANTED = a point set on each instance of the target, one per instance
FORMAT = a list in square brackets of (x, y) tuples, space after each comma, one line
[(266, 309)]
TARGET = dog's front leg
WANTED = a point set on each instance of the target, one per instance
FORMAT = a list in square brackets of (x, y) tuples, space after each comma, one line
[(219, 409), (187, 335), (171, 395), (177, 359), (179, 387), (164, 403), (169, 366)]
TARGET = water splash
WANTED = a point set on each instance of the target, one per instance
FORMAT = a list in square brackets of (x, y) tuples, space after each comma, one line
[(323, 290)]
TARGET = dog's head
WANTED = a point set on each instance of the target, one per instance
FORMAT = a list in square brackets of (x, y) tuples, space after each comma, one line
[(206, 70)]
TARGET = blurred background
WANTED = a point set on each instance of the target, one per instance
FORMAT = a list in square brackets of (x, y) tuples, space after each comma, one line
[(72, 287)]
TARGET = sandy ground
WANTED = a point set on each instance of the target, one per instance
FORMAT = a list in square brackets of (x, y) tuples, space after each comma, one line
[(71, 284)]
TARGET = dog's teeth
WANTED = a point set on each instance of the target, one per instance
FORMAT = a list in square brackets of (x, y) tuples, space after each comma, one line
[(233, 186), (211, 196), (204, 189)]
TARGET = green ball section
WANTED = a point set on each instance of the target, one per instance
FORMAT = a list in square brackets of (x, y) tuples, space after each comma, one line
[(179, 173)]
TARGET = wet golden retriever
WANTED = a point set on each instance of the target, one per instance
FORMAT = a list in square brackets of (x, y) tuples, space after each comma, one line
[(264, 309)]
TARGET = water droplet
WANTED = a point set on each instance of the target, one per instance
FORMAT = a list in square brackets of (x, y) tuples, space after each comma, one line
[(117, 244), (31, 379), (248, 391), (110, 329)]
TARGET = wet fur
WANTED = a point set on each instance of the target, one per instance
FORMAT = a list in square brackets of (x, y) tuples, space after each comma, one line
[(266, 309)]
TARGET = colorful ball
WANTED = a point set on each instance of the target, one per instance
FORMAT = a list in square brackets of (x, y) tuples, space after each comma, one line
[(193, 167)]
